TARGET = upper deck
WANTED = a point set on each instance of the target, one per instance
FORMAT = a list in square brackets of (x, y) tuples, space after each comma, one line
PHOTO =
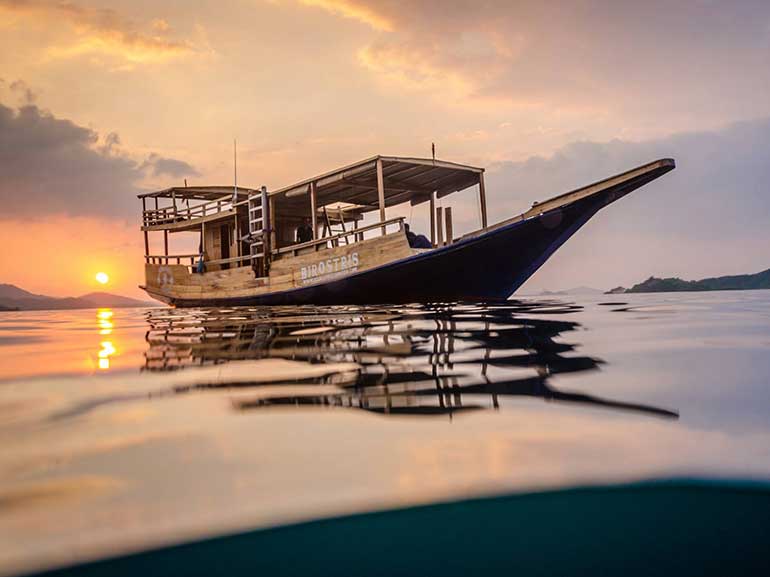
[(333, 202), (186, 208)]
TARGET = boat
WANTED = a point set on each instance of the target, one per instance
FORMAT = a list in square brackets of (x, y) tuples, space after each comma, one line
[(248, 251)]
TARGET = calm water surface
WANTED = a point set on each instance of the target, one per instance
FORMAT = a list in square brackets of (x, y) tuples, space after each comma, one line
[(124, 429)]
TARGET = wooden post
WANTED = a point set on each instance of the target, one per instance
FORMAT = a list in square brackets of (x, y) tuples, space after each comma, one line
[(267, 219), (448, 221), (173, 200), (381, 192), (359, 236), (271, 208), (314, 210), (433, 218), (237, 236), (203, 239), (146, 247), (439, 228), (483, 200), (165, 244)]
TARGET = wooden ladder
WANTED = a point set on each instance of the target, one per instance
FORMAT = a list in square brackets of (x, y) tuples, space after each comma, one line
[(258, 227), (328, 227)]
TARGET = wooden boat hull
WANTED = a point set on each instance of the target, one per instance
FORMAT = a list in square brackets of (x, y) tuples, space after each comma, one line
[(488, 265)]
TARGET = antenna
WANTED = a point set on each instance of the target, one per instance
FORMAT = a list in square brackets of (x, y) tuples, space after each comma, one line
[(235, 172)]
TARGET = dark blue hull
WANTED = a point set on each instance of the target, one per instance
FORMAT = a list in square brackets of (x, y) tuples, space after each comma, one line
[(489, 266)]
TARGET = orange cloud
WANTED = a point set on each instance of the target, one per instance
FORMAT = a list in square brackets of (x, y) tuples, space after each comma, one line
[(413, 68), (97, 31), (453, 51), (550, 55), (355, 10)]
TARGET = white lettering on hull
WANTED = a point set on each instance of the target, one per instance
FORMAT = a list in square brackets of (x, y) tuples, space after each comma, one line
[(330, 268)]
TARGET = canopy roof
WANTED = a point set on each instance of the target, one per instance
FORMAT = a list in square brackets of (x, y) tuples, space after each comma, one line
[(404, 179), (199, 192)]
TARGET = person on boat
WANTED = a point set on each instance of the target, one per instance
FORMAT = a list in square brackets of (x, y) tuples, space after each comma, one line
[(416, 240), (304, 231), (200, 268)]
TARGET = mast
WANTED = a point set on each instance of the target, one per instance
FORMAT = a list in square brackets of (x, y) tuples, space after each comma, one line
[(235, 172)]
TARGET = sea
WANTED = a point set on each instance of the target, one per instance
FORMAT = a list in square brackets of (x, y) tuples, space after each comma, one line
[(126, 430)]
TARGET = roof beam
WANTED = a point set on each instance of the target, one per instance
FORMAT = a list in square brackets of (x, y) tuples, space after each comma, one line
[(394, 184), (462, 185), (328, 177), (432, 162)]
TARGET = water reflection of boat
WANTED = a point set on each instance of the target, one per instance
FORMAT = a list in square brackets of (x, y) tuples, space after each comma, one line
[(304, 244), (413, 359)]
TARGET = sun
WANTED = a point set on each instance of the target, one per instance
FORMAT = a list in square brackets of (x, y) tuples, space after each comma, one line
[(102, 278)]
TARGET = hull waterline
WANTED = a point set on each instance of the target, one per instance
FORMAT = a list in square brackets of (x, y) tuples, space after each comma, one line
[(491, 266)]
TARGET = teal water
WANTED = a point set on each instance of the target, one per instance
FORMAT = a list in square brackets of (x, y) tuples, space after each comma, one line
[(681, 527), (129, 430)]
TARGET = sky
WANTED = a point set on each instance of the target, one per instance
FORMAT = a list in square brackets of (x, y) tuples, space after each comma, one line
[(101, 100)]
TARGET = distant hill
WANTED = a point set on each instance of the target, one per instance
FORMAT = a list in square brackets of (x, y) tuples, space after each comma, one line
[(760, 280), (583, 290), (114, 301), (580, 290), (15, 298), (9, 291)]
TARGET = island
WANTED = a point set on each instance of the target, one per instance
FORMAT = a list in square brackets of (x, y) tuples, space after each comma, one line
[(760, 280), (577, 291), (13, 298)]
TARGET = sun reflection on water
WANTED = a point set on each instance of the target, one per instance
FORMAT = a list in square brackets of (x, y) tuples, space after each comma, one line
[(106, 325), (104, 320)]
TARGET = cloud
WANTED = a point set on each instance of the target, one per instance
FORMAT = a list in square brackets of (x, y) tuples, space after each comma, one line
[(51, 165), (161, 166), (20, 88), (97, 31), (707, 217), (632, 60), (355, 10)]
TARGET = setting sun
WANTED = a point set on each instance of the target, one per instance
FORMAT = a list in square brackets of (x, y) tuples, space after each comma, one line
[(102, 278)]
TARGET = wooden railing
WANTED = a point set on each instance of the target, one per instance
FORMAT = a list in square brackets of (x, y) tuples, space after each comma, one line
[(229, 260), (171, 214), (318, 244), (321, 243), (168, 258), (178, 258)]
